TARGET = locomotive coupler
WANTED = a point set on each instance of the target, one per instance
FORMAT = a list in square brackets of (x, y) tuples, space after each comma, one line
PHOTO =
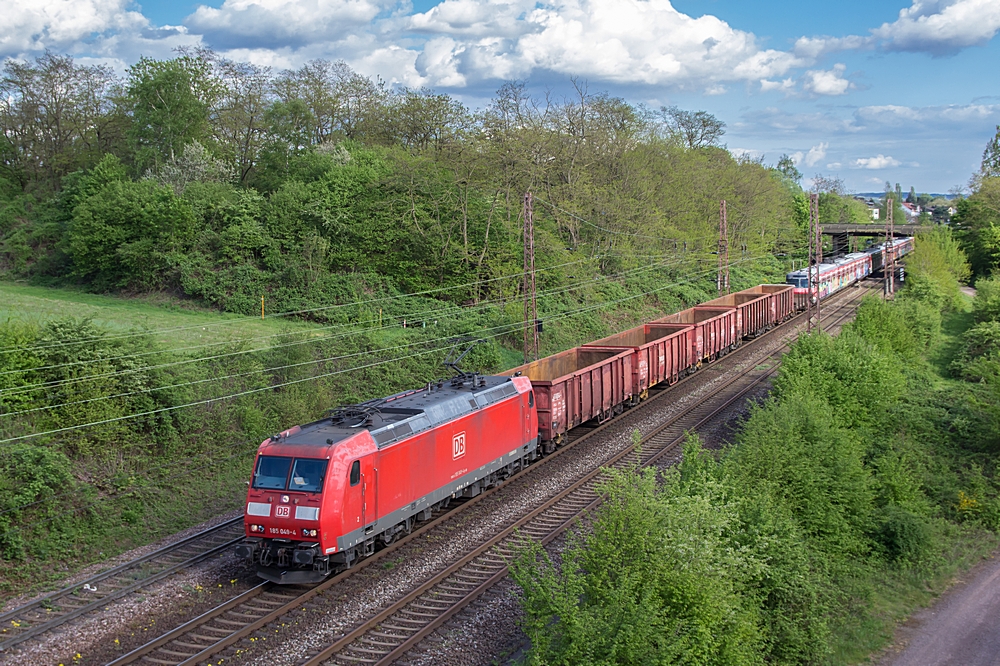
[(304, 554), (247, 549)]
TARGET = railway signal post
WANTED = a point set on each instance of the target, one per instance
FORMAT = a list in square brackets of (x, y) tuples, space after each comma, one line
[(888, 262), (530, 305), (722, 281)]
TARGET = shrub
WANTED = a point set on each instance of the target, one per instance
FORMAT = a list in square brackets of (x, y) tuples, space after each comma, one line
[(986, 304), (902, 535)]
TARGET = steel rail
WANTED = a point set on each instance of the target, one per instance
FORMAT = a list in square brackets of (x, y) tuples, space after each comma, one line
[(397, 629), (198, 639), (61, 606)]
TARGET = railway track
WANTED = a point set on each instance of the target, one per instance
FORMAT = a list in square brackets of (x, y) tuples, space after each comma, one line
[(397, 629), (199, 639), (61, 606)]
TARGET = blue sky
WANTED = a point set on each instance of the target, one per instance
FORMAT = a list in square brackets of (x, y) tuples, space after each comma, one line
[(902, 91)]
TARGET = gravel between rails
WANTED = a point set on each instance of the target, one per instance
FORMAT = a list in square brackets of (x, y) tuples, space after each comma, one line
[(91, 633)]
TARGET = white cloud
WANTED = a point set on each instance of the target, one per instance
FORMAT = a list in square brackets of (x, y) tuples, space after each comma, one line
[(834, 165), (937, 27), (815, 47), (786, 85), (455, 44), (281, 23), (878, 162), (827, 82), (36, 25), (895, 115), (941, 27), (746, 153), (811, 158)]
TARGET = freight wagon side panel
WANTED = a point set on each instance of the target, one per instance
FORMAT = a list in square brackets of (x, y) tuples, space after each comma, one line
[(576, 385), (647, 365), (613, 383), (780, 301), (720, 329)]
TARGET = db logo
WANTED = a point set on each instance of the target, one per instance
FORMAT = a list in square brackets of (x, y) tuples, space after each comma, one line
[(458, 446), (282, 511)]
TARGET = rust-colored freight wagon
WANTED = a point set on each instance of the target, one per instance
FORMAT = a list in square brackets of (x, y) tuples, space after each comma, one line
[(577, 385), (660, 353), (782, 300), (716, 329), (760, 307)]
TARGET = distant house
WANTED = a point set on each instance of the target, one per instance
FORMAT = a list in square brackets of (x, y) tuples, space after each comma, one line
[(873, 211), (912, 210)]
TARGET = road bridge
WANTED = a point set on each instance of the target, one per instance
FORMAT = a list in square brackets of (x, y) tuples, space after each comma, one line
[(841, 233)]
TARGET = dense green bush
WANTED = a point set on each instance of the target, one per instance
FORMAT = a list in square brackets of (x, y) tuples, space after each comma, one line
[(986, 304), (902, 535)]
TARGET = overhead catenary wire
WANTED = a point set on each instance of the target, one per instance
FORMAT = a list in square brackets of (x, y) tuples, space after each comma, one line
[(205, 401), (216, 379), (25, 388), (599, 227), (244, 320)]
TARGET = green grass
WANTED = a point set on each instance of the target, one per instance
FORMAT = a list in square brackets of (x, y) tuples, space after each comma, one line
[(181, 322)]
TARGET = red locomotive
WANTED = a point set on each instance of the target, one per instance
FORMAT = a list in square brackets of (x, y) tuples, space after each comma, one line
[(324, 494)]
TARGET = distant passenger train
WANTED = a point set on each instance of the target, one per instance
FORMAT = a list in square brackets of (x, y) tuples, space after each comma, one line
[(845, 271)]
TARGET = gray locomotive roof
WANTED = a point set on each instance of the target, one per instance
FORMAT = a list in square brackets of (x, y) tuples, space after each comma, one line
[(401, 415)]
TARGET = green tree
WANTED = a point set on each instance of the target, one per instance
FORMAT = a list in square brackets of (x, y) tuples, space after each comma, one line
[(786, 167), (123, 235), (169, 102), (990, 166), (695, 129)]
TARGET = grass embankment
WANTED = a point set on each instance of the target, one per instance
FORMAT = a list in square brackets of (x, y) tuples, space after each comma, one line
[(71, 498), (182, 322), (848, 499)]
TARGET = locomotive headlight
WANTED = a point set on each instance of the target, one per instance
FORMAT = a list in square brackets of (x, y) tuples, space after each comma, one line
[(312, 533)]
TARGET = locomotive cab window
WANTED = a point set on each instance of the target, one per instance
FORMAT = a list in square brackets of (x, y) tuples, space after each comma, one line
[(307, 475), (355, 472), (271, 472), (531, 398)]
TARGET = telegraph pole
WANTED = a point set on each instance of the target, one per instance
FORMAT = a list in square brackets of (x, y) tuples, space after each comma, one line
[(809, 271), (814, 214), (722, 281), (530, 306), (886, 269), (891, 254)]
